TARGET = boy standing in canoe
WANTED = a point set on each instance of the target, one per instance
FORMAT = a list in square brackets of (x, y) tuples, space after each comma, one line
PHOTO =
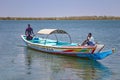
[(29, 32)]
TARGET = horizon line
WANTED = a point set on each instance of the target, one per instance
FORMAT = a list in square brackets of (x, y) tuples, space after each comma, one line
[(56, 16)]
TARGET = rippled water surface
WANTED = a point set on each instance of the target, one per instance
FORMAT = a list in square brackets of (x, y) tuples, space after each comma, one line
[(18, 62)]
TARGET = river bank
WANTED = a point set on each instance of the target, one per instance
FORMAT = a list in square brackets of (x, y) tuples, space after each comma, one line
[(64, 18)]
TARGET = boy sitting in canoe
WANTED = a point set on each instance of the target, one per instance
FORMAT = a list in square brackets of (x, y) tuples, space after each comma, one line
[(89, 41)]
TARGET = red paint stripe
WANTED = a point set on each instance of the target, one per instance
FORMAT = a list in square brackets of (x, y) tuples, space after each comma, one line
[(68, 51)]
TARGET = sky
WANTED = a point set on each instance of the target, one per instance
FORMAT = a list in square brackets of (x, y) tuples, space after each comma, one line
[(59, 8)]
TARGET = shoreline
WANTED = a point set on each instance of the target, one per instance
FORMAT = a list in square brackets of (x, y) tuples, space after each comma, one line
[(64, 18)]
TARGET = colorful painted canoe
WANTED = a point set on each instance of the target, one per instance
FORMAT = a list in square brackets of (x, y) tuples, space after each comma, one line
[(65, 48)]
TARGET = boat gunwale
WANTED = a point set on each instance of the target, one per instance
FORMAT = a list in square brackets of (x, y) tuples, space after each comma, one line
[(59, 47)]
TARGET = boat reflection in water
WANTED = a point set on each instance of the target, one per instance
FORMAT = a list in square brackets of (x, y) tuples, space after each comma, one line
[(53, 67)]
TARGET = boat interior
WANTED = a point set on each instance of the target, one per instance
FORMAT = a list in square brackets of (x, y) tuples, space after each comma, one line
[(51, 42)]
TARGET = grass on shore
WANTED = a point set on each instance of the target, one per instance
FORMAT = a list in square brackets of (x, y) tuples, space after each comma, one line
[(63, 18)]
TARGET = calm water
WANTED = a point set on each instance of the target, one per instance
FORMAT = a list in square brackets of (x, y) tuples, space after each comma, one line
[(17, 62)]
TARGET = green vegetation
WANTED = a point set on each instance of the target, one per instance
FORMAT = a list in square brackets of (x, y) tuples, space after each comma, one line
[(63, 18)]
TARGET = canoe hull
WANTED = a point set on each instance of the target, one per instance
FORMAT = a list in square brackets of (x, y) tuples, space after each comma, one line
[(78, 51), (95, 56)]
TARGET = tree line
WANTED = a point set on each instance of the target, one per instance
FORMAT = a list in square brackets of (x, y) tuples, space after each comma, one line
[(64, 18)]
